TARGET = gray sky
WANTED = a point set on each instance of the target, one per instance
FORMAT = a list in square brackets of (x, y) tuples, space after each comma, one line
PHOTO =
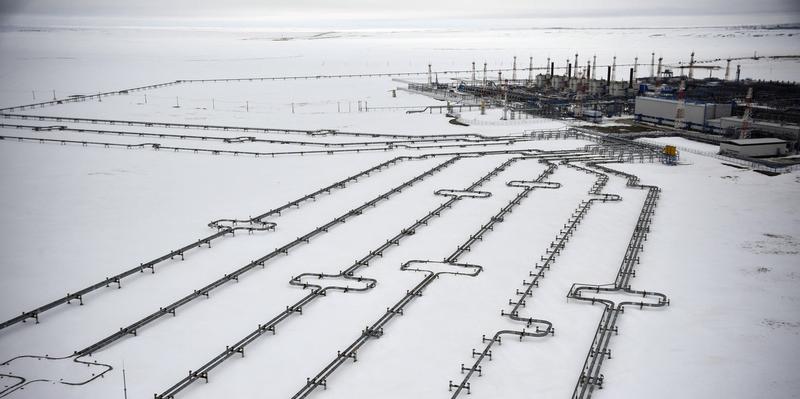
[(397, 9)]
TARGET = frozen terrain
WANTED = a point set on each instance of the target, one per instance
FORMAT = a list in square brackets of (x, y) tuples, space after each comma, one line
[(86, 61), (94, 198)]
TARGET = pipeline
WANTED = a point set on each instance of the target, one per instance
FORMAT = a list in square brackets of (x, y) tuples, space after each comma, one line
[(376, 330), (541, 327), (319, 291), (234, 276), (222, 231), (590, 377)]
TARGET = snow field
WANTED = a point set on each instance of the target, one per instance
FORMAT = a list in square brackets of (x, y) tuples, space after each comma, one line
[(71, 62), (723, 247), (729, 320), (440, 333)]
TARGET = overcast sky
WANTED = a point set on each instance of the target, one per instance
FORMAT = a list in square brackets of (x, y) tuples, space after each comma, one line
[(760, 11)]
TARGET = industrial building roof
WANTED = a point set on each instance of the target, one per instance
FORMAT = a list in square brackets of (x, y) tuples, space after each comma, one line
[(674, 100), (765, 124), (756, 141)]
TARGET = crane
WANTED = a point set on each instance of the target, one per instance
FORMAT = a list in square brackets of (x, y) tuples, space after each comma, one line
[(680, 106), (747, 118)]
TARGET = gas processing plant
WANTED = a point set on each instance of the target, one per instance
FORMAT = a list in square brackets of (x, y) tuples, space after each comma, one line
[(754, 120)]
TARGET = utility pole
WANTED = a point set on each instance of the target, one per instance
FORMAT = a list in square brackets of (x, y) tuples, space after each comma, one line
[(124, 382), (594, 65), (484, 73)]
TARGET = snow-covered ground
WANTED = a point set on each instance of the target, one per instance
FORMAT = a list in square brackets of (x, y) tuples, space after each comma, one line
[(37, 61), (682, 143), (724, 244)]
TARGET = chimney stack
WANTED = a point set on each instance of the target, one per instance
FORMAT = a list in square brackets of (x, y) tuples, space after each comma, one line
[(630, 82), (652, 65)]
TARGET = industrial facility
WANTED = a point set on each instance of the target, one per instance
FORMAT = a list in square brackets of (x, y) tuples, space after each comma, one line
[(712, 110), (697, 115), (754, 147)]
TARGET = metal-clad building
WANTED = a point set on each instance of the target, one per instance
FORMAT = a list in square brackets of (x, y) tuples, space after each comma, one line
[(781, 130), (663, 110), (765, 147)]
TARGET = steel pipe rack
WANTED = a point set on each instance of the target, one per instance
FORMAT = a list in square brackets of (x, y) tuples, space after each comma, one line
[(376, 329), (269, 327), (132, 329), (319, 291), (222, 231), (8, 389), (462, 193), (500, 216), (99, 96), (158, 146), (260, 225), (234, 276), (257, 154), (246, 129), (117, 279), (22, 382), (506, 139), (541, 327), (590, 377), (79, 98)]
